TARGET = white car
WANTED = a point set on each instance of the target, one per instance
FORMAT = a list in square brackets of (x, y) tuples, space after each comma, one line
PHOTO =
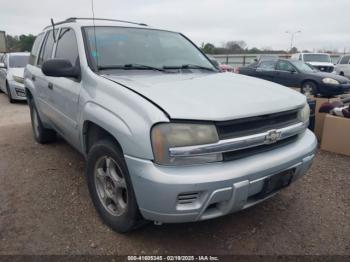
[(11, 75), (321, 61), (343, 66)]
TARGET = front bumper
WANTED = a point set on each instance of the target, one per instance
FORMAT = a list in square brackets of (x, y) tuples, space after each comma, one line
[(17, 90), (334, 89), (220, 188)]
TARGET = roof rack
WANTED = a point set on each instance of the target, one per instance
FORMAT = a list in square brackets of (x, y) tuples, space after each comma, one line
[(74, 19)]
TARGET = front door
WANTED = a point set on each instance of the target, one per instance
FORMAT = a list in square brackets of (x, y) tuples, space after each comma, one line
[(63, 91), (286, 74), (266, 70)]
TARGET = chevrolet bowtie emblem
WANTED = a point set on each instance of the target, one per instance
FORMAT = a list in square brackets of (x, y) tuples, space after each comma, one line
[(272, 137)]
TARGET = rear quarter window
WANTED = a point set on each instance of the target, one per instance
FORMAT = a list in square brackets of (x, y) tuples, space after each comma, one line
[(36, 48)]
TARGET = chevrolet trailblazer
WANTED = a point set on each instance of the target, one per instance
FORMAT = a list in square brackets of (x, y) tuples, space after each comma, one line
[(166, 136)]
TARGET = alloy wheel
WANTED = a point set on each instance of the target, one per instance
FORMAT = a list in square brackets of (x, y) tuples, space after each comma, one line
[(111, 186)]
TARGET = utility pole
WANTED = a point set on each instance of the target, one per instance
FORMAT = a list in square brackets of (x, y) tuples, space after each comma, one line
[(292, 37)]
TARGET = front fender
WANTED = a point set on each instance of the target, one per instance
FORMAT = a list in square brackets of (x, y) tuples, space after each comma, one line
[(134, 138)]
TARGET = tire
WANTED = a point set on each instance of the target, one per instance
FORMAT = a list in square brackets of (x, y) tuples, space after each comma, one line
[(309, 88), (110, 188), (341, 73), (41, 135), (11, 100)]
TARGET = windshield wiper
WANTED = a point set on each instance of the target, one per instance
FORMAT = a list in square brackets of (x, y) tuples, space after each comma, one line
[(130, 67), (190, 66)]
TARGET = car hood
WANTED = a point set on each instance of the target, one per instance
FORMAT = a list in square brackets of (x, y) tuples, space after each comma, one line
[(320, 64), (16, 72), (212, 96)]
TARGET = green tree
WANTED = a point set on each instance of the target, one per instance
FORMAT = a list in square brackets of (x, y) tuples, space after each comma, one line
[(293, 50), (26, 42), (209, 48), (20, 43)]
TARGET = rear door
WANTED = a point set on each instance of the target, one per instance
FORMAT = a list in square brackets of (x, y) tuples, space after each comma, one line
[(286, 74), (3, 72), (64, 92), (44, 101)]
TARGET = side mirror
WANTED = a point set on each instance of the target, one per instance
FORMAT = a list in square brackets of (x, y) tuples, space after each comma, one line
[(60, 68), (2, 65), (293, 71)]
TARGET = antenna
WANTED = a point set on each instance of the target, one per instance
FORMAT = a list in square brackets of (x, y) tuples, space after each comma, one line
[(53, 30), (93, 21)]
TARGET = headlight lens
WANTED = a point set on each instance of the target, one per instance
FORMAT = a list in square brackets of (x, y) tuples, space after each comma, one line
[(168, 135), (330, 81), (304, 114), (18, 79)]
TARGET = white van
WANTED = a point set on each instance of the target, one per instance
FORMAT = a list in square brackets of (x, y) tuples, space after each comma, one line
[(321, 61)]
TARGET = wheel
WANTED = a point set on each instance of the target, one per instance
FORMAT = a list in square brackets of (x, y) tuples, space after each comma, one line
[(11, 100), (42, 135), (309, 88), (110, 187), (341, 73)]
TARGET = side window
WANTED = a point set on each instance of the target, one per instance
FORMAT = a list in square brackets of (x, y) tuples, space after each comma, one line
[(36, 48), (67, 47), (345, 60), (284, 66), (46, 49), (300, 57), (267, 66)]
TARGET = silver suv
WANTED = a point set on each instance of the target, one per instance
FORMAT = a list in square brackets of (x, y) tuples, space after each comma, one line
[(167, 138)]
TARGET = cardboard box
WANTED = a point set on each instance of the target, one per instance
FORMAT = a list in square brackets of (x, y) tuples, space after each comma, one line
[(335, 137), (319, 117)]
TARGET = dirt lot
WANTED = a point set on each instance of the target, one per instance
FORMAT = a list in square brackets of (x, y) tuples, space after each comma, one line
[(45, 208)]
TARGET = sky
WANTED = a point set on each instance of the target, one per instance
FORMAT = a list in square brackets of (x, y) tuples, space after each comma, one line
[(324, 24)]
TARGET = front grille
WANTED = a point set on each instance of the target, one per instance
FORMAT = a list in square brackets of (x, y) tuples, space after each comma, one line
[(234, 155), (328, 69), (255, 125)]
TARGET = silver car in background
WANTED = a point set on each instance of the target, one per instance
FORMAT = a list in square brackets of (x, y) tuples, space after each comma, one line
[(166, 136), (11, 75)]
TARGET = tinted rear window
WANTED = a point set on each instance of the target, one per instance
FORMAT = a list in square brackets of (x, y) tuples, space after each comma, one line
[(19, 61), (345, 60)]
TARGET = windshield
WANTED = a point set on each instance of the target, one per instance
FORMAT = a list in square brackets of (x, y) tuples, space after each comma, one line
[(301, 66), (18, 61), (317, 58), (118, 46)]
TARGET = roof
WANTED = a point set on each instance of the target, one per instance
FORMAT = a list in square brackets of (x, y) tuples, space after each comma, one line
[(19, 54), (311, 53), (85, 21)]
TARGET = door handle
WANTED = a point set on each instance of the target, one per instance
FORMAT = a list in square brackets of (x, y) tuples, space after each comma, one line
[(50, 86)]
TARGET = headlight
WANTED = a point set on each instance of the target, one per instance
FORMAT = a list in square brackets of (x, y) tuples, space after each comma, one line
[(330, 81), (18, 79), (304, 114), (168, 135)]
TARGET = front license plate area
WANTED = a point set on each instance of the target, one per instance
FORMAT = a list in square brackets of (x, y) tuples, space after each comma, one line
[(276, 182)]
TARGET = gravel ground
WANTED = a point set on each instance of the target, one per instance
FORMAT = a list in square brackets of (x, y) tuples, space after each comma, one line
[(45, 208)]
